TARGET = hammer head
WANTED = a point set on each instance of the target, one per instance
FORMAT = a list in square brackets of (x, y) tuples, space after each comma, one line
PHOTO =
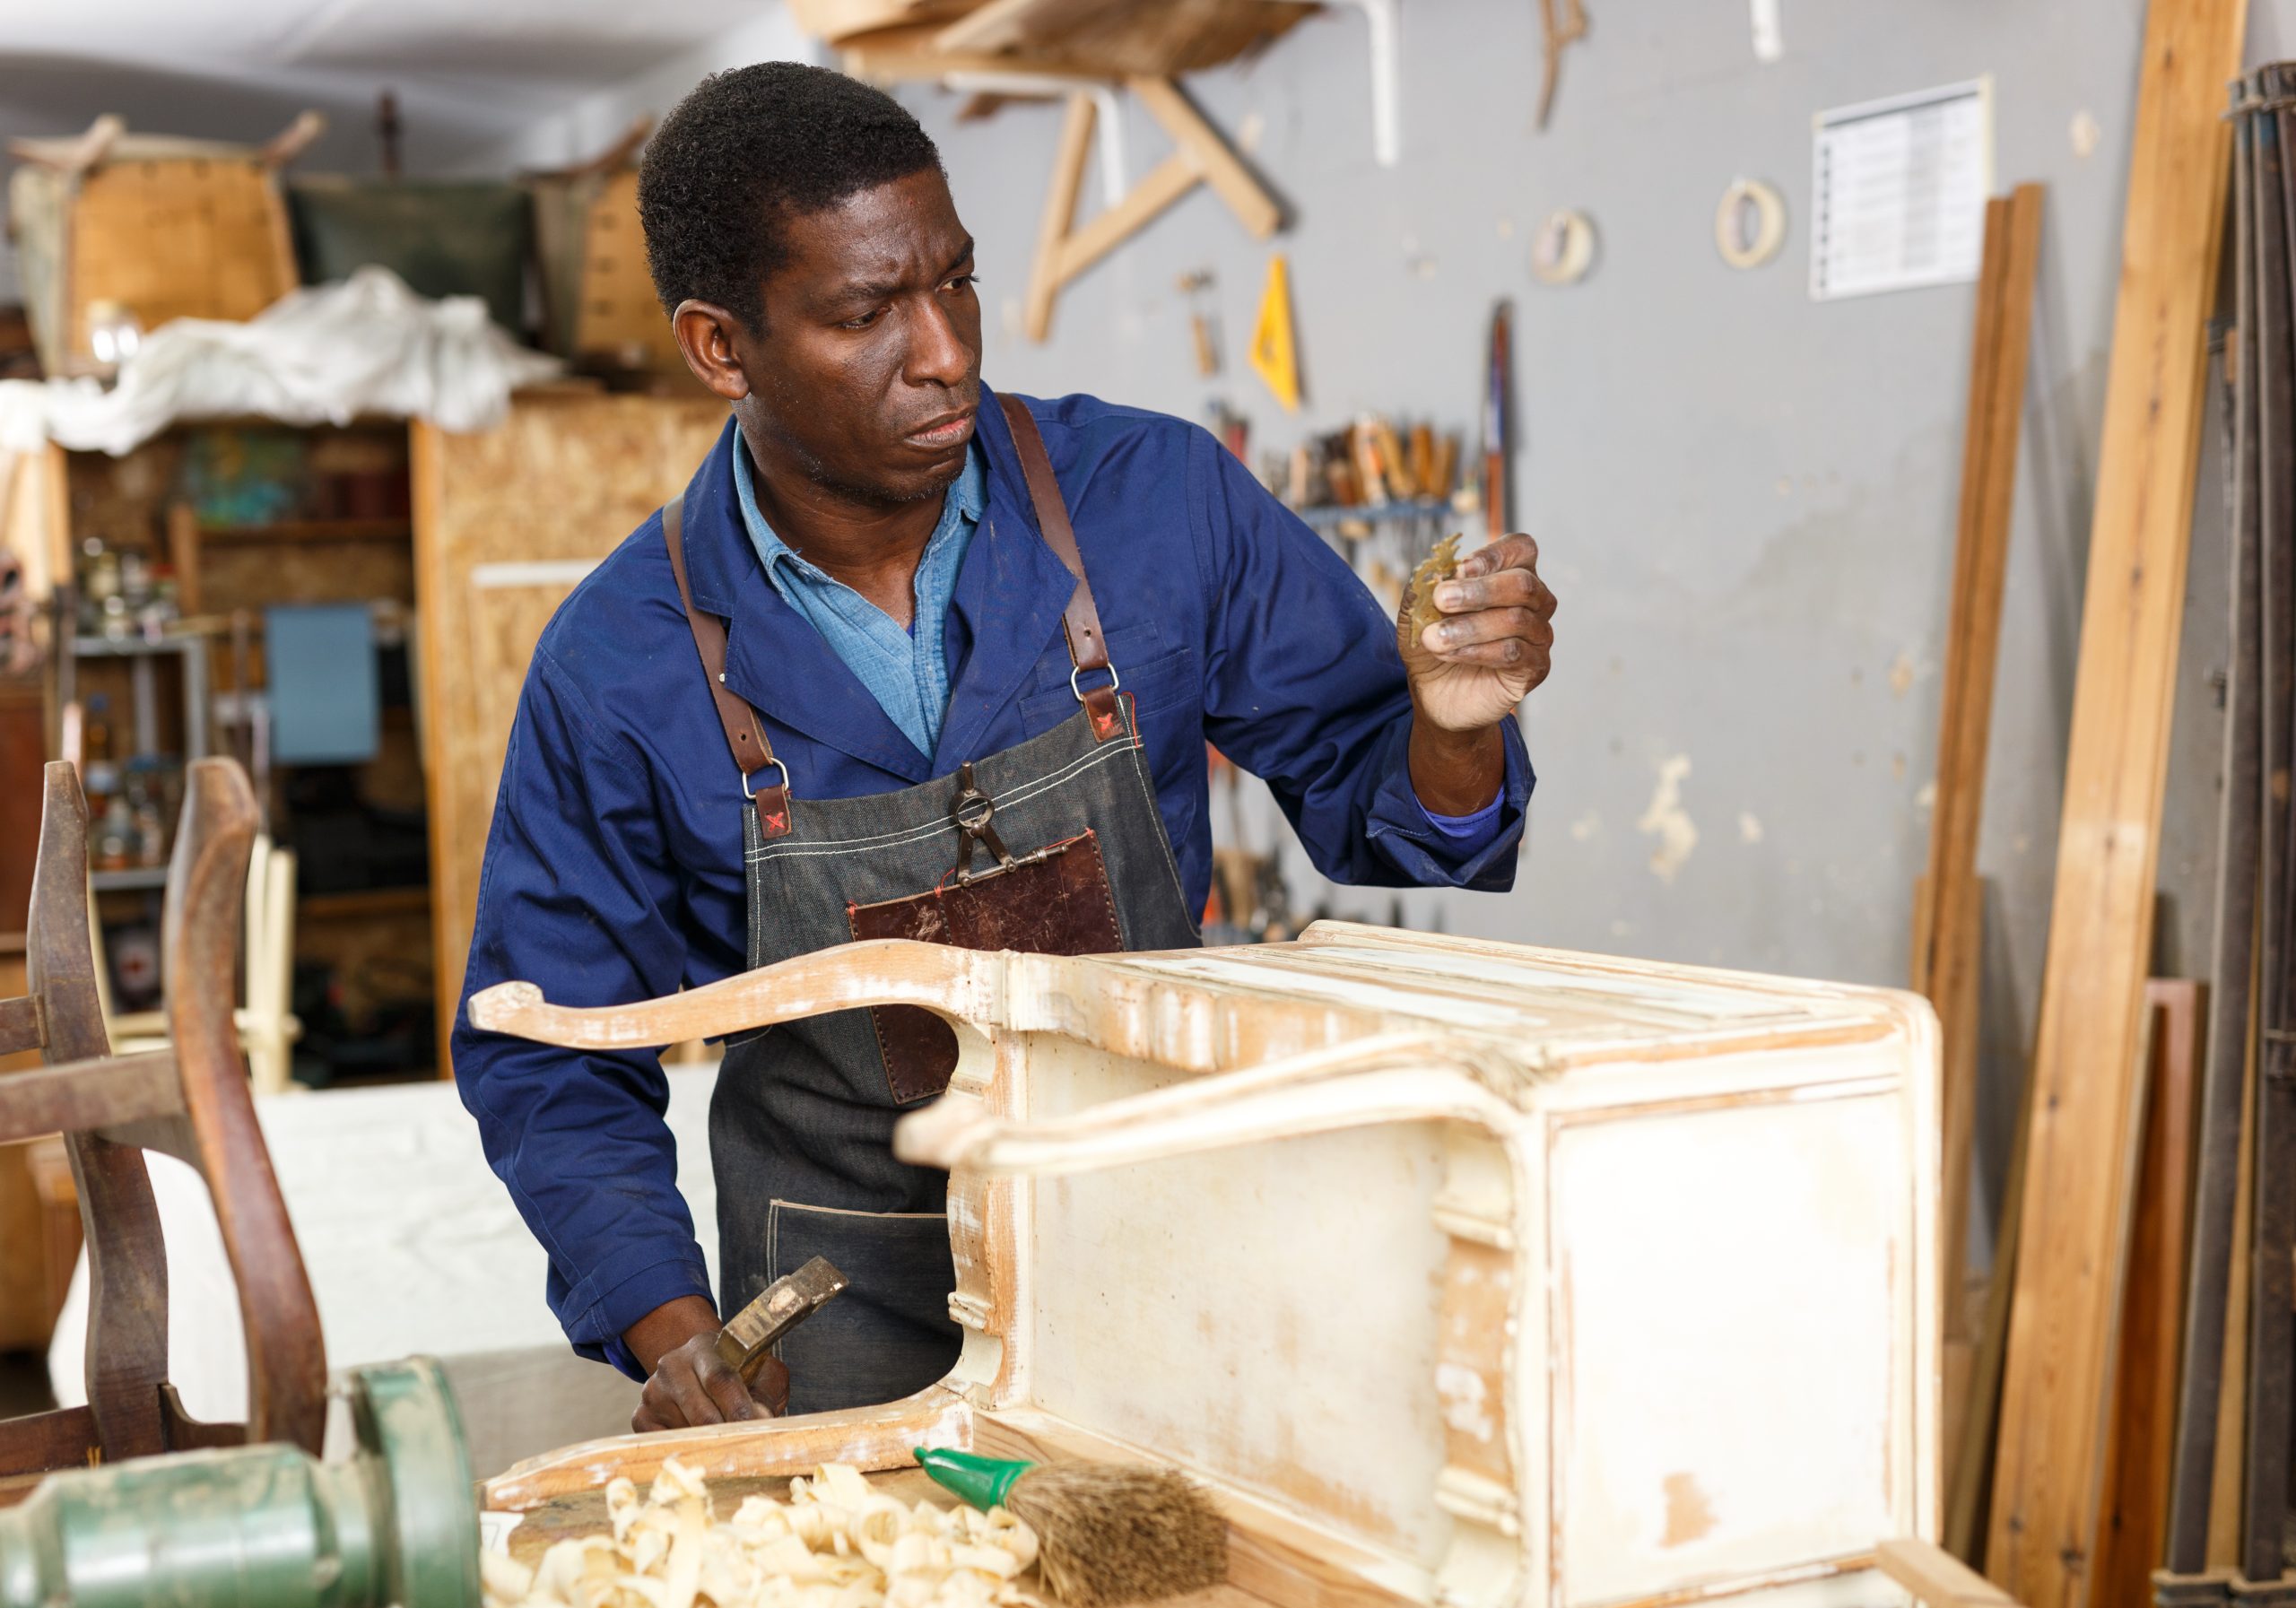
[(780, 1308)]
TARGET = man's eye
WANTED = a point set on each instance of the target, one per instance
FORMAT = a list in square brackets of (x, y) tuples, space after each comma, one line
[(863, 321), (962, 282)]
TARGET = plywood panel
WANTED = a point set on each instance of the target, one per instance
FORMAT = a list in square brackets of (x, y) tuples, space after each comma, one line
[(507, 521), (1757, 1407), (1215, 1327), (198, 238), (619, 314)]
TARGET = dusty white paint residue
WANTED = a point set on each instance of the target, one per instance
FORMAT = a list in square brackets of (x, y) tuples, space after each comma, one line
[(1463, 1396), (1587, 827), (1667, 820)]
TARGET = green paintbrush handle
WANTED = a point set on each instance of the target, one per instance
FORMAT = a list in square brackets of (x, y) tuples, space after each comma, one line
[(982, 1483)]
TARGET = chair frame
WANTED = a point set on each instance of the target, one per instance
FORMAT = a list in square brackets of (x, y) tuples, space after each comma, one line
[(190, 1100)]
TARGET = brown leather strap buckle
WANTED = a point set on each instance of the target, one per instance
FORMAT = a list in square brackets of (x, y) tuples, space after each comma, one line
[(1080, 621), (744, 732)]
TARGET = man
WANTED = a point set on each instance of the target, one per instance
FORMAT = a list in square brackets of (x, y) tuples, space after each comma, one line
[(907, 658)]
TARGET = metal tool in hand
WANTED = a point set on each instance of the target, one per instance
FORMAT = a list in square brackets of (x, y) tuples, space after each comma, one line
[(779, 1309)]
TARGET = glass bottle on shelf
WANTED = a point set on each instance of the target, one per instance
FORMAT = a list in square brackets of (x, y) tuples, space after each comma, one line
[(95, 740), (116, 837), (149, 845)]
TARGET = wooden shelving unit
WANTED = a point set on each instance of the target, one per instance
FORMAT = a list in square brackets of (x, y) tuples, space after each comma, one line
[(311, 530), (367, 902)]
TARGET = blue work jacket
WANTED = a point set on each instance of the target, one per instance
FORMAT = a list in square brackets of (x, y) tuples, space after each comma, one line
[(613, 872)]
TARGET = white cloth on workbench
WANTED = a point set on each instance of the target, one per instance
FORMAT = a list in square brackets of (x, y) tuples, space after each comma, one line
[(324, 355)]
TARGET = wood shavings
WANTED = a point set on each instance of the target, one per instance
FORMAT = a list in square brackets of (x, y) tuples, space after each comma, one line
[(1440, 565), (836, 1542)]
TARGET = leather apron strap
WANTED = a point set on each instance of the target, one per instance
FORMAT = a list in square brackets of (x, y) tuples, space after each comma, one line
[(745, 733), (1088, 648)]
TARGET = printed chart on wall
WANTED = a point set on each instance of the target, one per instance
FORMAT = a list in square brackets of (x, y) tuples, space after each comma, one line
[(1900, 190)]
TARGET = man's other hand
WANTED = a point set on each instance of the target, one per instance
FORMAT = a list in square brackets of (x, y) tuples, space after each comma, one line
[(1469, 669)]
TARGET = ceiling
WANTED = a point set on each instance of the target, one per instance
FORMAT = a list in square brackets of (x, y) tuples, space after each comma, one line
[(467, 73)]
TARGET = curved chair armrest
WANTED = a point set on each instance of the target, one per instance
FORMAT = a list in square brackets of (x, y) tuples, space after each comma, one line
[(882, 971)]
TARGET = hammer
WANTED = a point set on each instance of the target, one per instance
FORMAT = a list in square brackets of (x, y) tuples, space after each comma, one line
[(780, 1308)]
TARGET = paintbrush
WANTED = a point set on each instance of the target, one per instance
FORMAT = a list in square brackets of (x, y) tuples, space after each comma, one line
[(1106, 1533)]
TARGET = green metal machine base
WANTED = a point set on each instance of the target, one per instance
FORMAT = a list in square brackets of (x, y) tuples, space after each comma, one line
[(266, 1526)]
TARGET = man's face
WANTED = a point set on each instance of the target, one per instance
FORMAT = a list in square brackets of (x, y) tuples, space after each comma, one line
[(867, 371)]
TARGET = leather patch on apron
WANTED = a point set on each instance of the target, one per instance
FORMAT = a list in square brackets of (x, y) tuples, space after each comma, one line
[(1055, 903)]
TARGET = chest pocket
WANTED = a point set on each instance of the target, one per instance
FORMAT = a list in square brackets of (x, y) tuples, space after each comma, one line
[(1159, 679)]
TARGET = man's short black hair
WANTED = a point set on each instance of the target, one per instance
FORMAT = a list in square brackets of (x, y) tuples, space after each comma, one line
[(748, 148)]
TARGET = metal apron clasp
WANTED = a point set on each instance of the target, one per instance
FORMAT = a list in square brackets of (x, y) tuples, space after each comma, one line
[(974, 812)]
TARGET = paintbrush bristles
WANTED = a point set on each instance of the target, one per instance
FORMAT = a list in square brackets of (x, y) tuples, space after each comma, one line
[(1112, 1533)]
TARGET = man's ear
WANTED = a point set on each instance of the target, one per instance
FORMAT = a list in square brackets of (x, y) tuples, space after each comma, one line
[(705, 335)]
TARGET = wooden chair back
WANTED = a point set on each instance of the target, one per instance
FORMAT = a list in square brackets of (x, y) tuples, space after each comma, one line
[(189, 1100)]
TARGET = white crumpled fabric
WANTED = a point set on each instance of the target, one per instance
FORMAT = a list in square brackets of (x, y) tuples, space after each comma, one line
[(319, 356)]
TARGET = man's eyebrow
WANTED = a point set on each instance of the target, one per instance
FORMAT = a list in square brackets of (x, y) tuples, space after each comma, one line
[(878, 290)]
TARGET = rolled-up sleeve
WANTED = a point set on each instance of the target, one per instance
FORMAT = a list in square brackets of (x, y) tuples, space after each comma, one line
[(578, 896), (1305, 689)]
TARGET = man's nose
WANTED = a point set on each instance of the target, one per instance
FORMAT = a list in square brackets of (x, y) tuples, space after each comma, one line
[(939, 353)]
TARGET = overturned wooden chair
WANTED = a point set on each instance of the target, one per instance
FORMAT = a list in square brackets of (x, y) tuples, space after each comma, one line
[(189, 1100)]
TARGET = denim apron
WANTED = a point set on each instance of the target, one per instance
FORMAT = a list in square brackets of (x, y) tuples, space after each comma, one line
[(1054, 845)]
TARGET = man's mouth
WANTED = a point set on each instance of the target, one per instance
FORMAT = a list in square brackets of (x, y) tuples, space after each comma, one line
[(950, 430)]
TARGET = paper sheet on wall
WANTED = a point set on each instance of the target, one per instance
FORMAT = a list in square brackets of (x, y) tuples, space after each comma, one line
[(1900, 189)]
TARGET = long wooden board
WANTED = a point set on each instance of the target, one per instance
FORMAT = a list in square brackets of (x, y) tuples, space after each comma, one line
[(2133, 1526), (1947, 972), (2064, 1320)]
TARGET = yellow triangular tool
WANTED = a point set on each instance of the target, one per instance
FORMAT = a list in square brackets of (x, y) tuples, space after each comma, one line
[(1273, 356)]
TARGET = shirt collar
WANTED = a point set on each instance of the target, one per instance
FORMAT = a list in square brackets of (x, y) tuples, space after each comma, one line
[(967, 495)]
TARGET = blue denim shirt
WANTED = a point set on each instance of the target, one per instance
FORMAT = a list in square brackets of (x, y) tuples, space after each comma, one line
[(907, 671), (613, 872)]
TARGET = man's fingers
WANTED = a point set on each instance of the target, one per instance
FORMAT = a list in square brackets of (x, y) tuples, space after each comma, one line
[(656, 1409), (725, 1389), (1516, 552), (770, 1387), (1448, 637), (1509, 588), (1511, 655), (689, 1401)]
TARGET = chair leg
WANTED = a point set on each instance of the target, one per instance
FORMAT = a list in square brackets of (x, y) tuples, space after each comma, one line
[(127, 1268)]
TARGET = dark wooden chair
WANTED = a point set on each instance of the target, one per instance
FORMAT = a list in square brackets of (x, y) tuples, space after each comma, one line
[(189, 1100)]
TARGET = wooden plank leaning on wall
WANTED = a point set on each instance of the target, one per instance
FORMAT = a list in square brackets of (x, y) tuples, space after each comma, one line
[(1949, 901), (2132, 1526), (505, 522), (2066, 1313)]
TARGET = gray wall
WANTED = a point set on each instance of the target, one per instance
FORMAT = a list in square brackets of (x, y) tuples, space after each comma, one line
[(1744, 499)]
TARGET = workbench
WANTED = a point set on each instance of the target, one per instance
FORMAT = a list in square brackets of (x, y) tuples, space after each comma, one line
[(1459, 1272)]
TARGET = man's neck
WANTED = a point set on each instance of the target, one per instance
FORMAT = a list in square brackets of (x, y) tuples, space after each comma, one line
[(873, 548)]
